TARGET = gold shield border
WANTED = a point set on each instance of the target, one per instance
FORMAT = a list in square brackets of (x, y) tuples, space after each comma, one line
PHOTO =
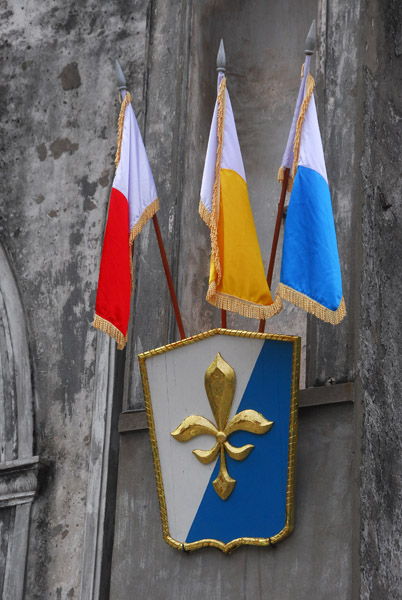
[(294, 402)]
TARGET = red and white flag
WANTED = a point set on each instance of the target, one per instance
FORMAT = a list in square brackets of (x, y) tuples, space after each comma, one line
[(132, 202)]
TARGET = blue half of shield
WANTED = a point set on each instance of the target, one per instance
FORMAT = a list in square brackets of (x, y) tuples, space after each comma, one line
[(257, 506)]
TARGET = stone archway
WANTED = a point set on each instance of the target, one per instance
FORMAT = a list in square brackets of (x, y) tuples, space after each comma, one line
[(19, 468)]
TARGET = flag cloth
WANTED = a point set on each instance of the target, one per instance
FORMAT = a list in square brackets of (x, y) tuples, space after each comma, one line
[(133, 201), (310, 274), (237, 279)]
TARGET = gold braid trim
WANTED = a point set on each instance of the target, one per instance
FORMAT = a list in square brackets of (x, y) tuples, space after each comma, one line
[(152, 208), (212, 219), (311, 306), (281, 177), (243, 307), (137, 228), (204, 213), (147, 214), (110, 329), (296, 144), (290, 489), (99, 322), (120, 122), (281, 172)]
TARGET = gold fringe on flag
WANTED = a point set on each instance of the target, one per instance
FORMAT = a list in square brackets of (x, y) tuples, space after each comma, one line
[(120, 122), (107, 327), (137, 228), (100, 322), (243, 307), (152, 208), (311, 306), (146, 215), (211, 219), (296, 142), (204, 213), (296, 145)]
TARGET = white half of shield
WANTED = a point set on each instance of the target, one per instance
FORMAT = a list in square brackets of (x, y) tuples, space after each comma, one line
[(176, 382)]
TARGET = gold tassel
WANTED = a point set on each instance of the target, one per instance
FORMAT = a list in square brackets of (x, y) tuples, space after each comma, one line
[(311, 306), (137, 228), (204, 213), (99, 322), (296, 142), (243, 307), (120, 122), (296, 145), (152, 208), (107, 327), (146, 215), (211, 219)]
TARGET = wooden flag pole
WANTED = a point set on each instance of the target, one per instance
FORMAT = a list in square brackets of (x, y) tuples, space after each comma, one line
[(223, 319), (275, 240), (221, 68), (168, 277), (121, 84)]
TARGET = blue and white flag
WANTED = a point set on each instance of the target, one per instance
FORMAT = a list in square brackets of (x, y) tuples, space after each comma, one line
[(310, 274), (222, 414)]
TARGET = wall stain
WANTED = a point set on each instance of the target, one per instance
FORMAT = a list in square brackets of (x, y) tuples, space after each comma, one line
[(104, 178), (70, 77), (88, 189), (42, 152), (61, 145)]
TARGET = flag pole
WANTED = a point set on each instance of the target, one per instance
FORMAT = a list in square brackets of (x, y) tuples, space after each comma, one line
[(221, 68), (121, 84), (275, 240), (168, 277), (310, 47)]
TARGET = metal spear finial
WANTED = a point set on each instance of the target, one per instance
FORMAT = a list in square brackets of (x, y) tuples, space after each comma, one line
[(221, 59), (311, 40), (121, 80)]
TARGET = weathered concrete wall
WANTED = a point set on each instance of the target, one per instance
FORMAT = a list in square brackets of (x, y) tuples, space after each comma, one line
[(332, 351), (381, 292), (58, 109)]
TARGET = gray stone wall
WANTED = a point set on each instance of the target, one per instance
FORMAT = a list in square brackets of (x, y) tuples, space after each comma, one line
[(381, 309), (332, 351), (58, 115)]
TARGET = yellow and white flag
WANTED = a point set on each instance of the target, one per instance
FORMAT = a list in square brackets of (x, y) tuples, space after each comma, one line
[(237, 279)]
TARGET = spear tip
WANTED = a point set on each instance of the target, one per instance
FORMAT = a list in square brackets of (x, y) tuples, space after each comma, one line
[(121, 80), (311, 39), (221, 58)]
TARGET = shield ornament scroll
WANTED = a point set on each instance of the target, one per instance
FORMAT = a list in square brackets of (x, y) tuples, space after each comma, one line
[(222, 416)]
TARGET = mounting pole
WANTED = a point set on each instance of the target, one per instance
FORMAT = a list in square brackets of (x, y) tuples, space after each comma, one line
[(221, 59), (221, 68), (310, 47), (121, 80)]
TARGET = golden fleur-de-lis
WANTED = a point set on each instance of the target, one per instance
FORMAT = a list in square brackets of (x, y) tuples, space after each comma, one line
[(220, 383)]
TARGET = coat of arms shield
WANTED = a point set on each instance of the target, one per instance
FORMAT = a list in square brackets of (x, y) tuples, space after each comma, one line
[(222, 416)]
